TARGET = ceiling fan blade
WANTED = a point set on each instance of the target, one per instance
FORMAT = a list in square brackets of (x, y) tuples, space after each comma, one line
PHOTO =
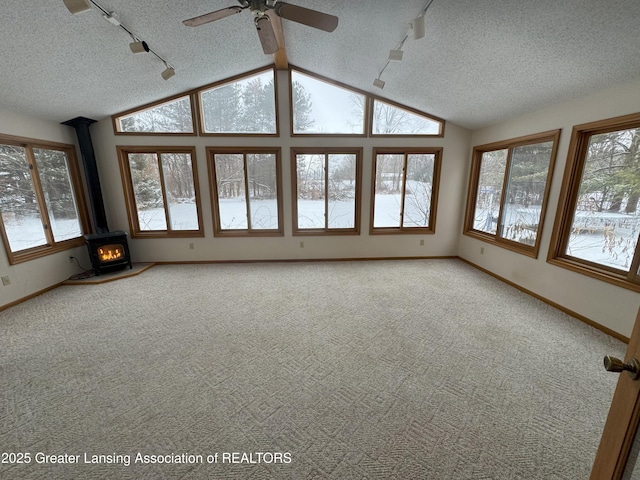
[(306, 16), (212, 16), (267, 35)]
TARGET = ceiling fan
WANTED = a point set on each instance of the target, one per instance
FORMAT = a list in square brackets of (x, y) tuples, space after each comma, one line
[(259, 8)]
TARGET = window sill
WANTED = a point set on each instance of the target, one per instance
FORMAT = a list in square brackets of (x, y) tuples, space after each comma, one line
[(527, 250), (618, 280), (43, 251), (401, 231)]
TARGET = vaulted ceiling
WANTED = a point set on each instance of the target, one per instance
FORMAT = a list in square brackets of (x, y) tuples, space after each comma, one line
[(480, 62)]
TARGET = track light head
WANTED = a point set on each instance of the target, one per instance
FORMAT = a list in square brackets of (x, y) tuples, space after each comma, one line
[(378, 83), (77, 6), (168, 72), (395, 55), (139, 46), (417, 27)]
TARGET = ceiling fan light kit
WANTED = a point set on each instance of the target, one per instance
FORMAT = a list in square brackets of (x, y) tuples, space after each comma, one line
[(137, 46)]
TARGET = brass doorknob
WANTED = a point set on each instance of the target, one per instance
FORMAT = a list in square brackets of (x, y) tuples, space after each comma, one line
[(613, 364)]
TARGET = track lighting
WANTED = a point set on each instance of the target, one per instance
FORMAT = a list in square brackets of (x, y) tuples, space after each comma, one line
[(168, 72), (395, 55), (77, 6), (136, 46), (139, 46), (109, 17), (417, 27)]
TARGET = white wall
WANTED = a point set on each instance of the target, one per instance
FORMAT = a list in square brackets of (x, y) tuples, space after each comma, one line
[(36, 275), (608, 305), (611, 306), (443, 243)]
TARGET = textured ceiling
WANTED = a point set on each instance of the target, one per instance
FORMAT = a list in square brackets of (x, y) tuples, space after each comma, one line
[(480, 62)]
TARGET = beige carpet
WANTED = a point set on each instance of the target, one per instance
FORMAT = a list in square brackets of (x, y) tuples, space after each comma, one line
[(346, 370)]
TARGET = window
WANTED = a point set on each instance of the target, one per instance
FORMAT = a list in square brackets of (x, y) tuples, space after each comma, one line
[(244, 106), (327, 187), (390, 119), (320, 107), (170, 117), (508, 191), (245, 187), (41, 200), (598, 220), (161, 191), (405, 186)]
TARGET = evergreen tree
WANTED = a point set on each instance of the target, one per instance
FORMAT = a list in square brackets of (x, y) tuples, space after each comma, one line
[(302, 108)]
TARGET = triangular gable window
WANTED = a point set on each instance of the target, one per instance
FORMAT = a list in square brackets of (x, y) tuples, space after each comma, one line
[(323, 108), (245, 106), (389, 119), (174, 116)]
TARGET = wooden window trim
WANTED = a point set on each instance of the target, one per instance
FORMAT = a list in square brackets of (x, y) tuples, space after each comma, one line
[(358, 152), (235, 78), (365, 120), (371, 110), (129, 196), (476, 160), (218, 231), (115, 118), (576, 156), (437, 165), (78, 191)]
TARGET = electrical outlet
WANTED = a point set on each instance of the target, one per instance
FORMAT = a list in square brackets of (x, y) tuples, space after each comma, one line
[(481, 250), (191, 246), (6, 280), (71, 259), (301, 244), (422, 242)]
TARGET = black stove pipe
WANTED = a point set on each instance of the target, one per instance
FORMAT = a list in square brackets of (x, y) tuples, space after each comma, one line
[(98, 214)]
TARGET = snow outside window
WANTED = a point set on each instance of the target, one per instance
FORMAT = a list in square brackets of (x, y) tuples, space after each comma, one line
[(327, 186), (246, 191), (598, 221), (509, 190), (405, 190), (38, 200), (162, 197)]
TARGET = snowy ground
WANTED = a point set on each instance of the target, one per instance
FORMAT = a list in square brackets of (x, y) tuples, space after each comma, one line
[(27, 232), (604, 238)]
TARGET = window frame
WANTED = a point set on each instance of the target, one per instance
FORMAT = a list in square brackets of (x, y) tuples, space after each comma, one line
[(437, 165), (576, 157), (198, 101), (115, 119), (365, 120), (371, 107), (129, 196), (75, 178), (474, 177), (326, 231), (218, 231)]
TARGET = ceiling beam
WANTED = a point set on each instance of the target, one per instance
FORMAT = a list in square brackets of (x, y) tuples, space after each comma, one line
[(280, 57)]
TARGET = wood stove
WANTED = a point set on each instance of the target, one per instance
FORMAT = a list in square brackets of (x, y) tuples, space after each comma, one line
[(108, 251)]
